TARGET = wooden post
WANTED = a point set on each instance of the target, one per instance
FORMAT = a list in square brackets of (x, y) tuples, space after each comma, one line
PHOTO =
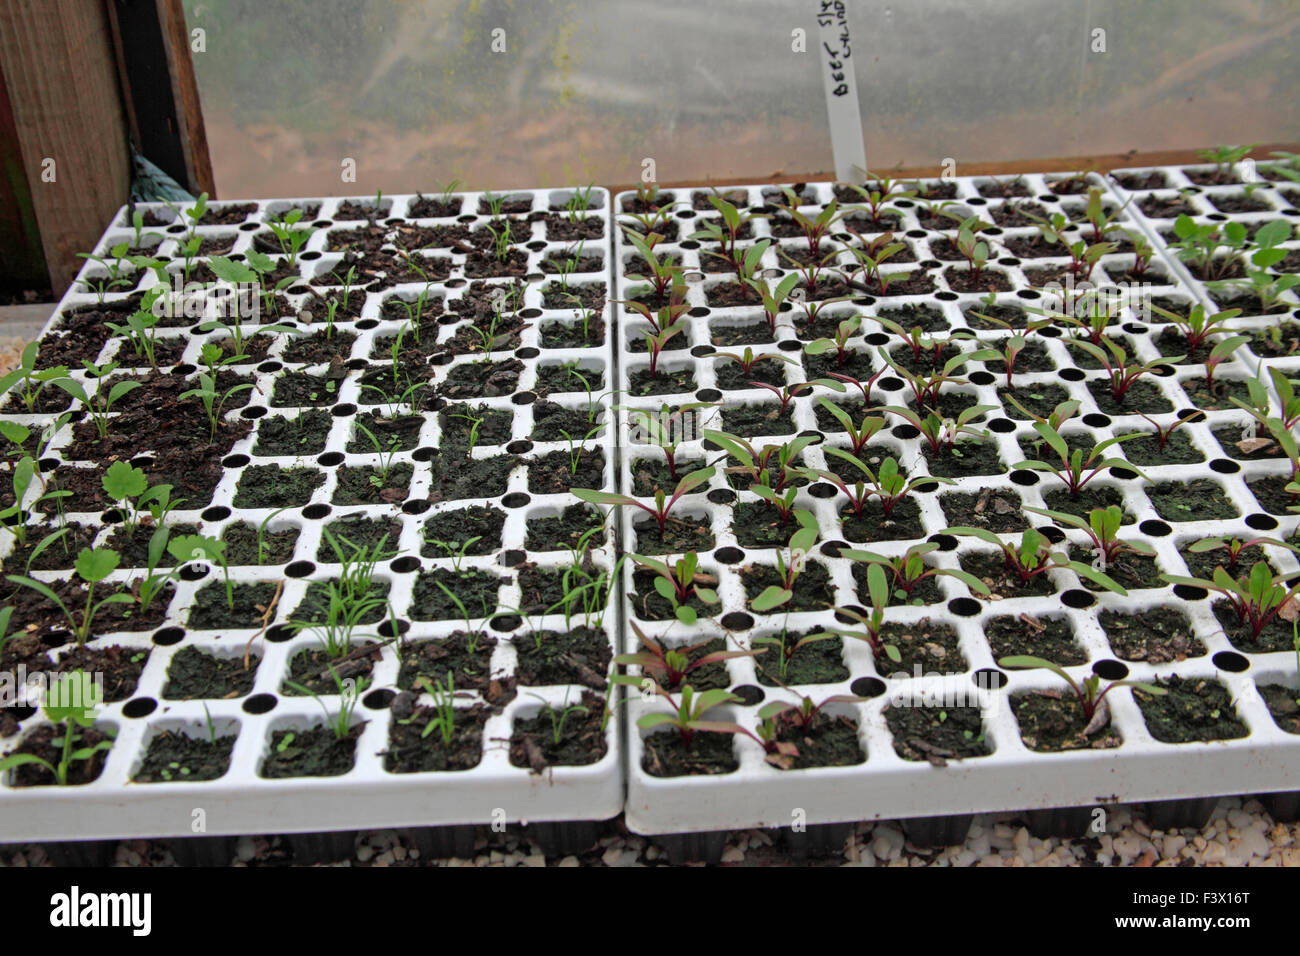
[(57, 58), (161, 94), (20, 236)]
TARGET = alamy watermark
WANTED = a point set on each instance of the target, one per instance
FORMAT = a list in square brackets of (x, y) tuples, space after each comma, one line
[(947, 690), (23, 688)]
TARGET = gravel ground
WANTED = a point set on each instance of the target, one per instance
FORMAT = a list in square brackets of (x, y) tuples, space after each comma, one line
[(1239, 834)]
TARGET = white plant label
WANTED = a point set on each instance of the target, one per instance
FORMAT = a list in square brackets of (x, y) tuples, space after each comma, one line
[(847, 143)]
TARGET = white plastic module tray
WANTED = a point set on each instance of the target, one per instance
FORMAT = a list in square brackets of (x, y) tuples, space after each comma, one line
[(1011, 776), (367, 795)]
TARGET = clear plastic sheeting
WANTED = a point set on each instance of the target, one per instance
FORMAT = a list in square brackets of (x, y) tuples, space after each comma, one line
[(504, 94)]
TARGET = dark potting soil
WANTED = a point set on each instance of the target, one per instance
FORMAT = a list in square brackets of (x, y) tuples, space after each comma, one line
[(1192, 709), (1246, 449), (1217, 396), (456, 422), (1197, 500), (926, 647), (965, 458), (649, 605), (357, 532), (571, 335), (242, 545), (551, 421), (47, 742), (1281, 702), (1202, 565), (937, 734), (1142, 397), (571, 377), (726, 335), (818, 662), (435, 660), (319, 347), (664, 382), (304, 390), (555, 473), (1054, 721), (59, 556), (1129, 571), (193, 673), (412, 750), (455, 477), (270, 486), (475, 588), (871, 524), (1051, 638), (369, 485), (134, 548), (39, 616), (650, 475), (581, 737), (1013, 315), (1272, 495), (315, 752), (251, 602), (564, 531), (1166, 208), (829, 741), (278, 435), (176, 758), (481, 379), (315, 670), (457, 528), (1092, 496), (1158, 636), (812, 588), (1146, 450), (762, 418), (551, 658), (1039, 398), (731, 375), (121, 667), (709, 754), (394, 434), (994, 509)]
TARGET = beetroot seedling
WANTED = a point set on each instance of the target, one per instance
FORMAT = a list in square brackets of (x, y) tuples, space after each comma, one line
[(663, 503)]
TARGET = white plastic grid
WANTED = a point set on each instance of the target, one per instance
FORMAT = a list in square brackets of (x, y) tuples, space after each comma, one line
[(1012, 777), (241, 801)]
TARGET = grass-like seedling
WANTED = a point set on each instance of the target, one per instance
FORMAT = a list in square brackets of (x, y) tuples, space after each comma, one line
[(17, 516), (349, 693)]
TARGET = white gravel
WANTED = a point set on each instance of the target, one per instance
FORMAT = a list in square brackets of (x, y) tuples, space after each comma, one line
[(1239, 834)]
